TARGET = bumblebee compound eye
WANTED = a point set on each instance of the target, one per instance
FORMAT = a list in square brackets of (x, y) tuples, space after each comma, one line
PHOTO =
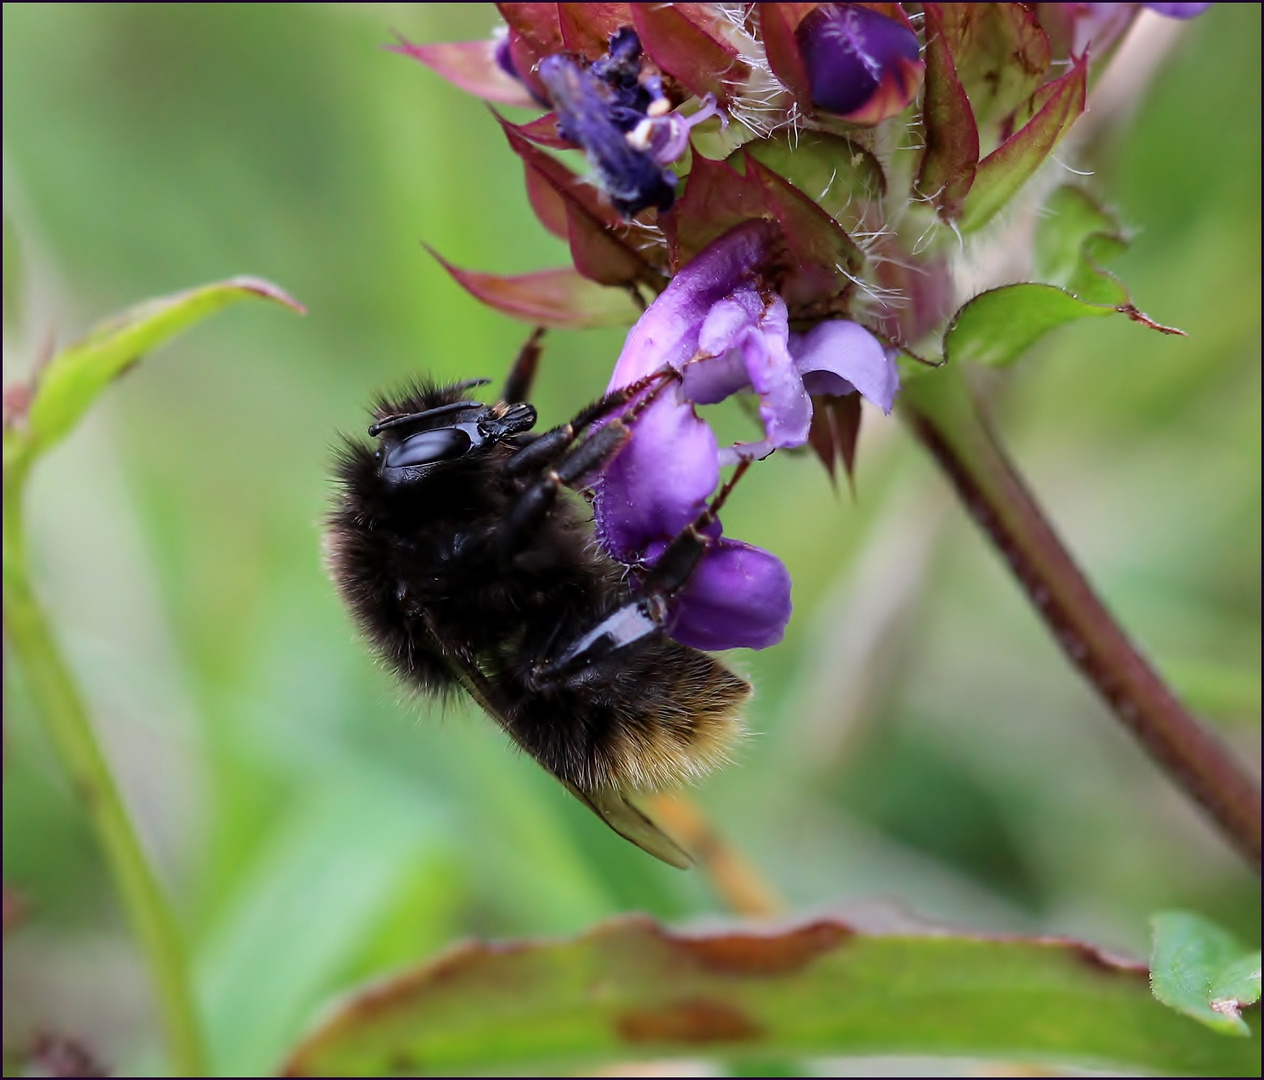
[(428, 447)]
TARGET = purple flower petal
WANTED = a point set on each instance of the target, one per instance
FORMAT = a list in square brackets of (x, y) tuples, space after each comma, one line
[(668, 333), (1178, 11), (738, 597), (784, 405), (720, 371), (837, 357), (659, 482)]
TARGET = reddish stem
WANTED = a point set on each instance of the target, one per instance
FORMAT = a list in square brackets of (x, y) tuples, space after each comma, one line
[(946, 419)]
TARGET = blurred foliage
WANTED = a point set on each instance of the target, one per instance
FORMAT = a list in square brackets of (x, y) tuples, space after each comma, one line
[(920, 745)]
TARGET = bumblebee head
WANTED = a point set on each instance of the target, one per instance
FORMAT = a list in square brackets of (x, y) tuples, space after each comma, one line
[(414, 445)]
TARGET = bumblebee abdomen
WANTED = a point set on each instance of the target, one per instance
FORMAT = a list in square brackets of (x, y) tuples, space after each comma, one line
[(665, 717)]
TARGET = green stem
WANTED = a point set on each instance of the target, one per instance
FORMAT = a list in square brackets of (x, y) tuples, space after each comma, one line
[(945, 417), (58, 702)]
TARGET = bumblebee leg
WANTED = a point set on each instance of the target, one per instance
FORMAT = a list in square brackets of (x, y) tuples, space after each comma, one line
[(522, 374), (647, 612), (552, 445), (565, 465)]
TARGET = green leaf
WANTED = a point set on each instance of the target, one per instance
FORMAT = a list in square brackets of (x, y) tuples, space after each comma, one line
[(73, 379), (1238, 981), (998, 326), (631, 989), (1199, 969), (1075, 235)]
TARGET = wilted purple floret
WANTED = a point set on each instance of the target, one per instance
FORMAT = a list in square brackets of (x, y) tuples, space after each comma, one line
[(851, 53), (719, 325), (629, 176), (623, 121)]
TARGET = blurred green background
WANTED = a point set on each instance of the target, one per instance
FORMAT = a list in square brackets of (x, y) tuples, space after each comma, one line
[(919, 748)]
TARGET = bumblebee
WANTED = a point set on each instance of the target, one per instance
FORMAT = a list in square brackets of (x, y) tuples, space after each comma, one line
[(468, 567)]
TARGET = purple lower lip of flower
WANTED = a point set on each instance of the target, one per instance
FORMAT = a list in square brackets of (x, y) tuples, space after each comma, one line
[(855, 56), (659, 483), (738, 597)]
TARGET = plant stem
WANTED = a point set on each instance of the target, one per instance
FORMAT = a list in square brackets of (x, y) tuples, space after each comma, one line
[(947, 420), (58, 702), (735, 879)]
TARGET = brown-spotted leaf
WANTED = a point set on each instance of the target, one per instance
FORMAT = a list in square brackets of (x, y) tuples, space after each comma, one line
[(952, 137), (630, 988), (688, 43), (558, 297), (1015, 161), (472, 66)]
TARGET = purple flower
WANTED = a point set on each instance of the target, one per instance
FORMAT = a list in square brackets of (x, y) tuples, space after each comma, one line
[(624, 122), (720, 325), (1101, 25), (1178, 11), (860, 64)]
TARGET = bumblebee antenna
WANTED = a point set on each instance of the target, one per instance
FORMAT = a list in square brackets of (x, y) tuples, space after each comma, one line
[(426, 414)]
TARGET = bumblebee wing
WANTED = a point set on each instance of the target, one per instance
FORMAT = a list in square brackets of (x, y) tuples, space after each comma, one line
[(633, 824), (609, 804)]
